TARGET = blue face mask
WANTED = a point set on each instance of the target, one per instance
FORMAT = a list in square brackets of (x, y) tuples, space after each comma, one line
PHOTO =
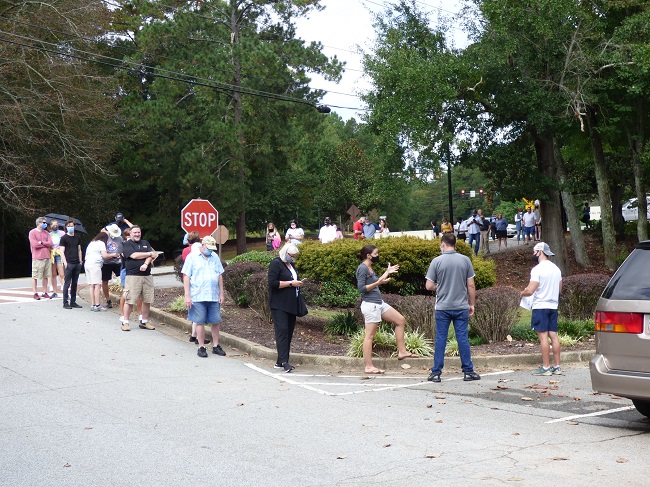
[(44, 226), (70, 229), (288, 259), (207, 252)]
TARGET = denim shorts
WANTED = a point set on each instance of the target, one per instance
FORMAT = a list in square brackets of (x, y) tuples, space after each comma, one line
[(204, 313), (372, 311), (543, 320), (57, 259)]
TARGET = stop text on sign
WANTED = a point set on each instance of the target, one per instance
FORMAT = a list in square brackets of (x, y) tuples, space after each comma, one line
[(200, 219)]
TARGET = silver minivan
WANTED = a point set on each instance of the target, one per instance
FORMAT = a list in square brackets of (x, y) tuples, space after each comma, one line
[(621, 365)]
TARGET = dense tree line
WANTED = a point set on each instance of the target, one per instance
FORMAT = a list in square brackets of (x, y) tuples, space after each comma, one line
[(143, 105)]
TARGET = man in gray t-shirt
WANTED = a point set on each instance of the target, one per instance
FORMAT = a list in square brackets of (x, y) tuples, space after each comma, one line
[(451, 276)]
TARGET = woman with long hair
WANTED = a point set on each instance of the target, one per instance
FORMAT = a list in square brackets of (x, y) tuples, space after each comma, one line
[(374, 309)]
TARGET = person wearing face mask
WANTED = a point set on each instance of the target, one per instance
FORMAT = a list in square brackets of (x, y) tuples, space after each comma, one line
[(273, 239), (327, 232), (71, 256), (138, 255), (55, 256), (451, 277), (203, 289), (374, 309), (285, 302), (295, 234), (545, 287), (40, 244)]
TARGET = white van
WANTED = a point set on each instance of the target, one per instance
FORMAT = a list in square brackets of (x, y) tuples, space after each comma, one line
[(631, 209)]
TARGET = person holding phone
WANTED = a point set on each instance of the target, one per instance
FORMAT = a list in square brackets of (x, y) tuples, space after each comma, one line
[(374, 309)]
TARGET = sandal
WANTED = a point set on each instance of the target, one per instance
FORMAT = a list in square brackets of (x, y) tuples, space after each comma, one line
[(375, 371), (410, 355)]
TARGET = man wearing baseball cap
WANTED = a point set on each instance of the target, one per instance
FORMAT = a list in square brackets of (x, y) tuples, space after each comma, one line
[(203, 286), (545, 286), (120, 221)]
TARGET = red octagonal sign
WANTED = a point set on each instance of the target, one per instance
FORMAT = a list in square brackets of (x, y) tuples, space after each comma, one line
[(199, 216)]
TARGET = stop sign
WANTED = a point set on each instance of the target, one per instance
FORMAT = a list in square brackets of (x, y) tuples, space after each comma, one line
[(199, 216)]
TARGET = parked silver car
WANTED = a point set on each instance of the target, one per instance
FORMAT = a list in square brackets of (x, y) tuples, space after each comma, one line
[(621, 365)]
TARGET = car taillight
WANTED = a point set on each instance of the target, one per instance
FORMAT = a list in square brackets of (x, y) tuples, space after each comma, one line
[(619, 322)]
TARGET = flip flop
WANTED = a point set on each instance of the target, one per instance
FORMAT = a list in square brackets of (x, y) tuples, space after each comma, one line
[(410, 355), (376, 372)]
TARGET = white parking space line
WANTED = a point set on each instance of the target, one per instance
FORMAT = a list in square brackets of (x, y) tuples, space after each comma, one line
[(597, 413), (367, 385)]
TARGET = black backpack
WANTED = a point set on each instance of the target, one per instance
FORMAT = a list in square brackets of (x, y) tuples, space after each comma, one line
[(486, 224)]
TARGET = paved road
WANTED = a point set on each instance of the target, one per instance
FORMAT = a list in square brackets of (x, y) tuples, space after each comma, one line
[(85, 404)]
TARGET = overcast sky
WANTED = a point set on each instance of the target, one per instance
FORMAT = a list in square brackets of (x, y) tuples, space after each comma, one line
[(344, 26)]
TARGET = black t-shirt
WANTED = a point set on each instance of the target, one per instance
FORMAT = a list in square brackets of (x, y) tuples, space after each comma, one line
[(133, 265), (71, 244)]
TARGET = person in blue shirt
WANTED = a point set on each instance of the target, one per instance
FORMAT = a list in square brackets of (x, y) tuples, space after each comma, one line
[(502, 230), (203, 286)]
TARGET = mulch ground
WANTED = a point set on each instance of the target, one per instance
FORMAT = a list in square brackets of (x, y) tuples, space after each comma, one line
[(513, 269)]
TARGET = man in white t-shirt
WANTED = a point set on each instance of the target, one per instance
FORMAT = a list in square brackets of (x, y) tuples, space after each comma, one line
[(528, 221), (545, 286), (327, 232)]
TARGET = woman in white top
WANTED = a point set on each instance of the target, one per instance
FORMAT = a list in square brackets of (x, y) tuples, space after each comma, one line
[(95, 255), (383, 229), (295, 234)]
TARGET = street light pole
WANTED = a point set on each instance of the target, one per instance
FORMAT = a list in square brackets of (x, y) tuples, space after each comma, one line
[(451, 203)]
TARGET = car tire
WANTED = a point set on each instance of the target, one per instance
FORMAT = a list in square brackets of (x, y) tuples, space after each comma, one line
[(642, 406)]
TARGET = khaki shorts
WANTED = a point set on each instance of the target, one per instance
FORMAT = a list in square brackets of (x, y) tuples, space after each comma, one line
[(93, 274), (137, 286), (41, 269)]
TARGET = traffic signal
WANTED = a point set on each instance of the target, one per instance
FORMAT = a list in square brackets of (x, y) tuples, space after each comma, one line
[(462, 193)]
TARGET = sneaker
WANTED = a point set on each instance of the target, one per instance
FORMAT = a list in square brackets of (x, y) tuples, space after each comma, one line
[(195, 340), (201, 352), (54, 295), (218, 350), (93, 307), (146, 326), (109, 304), (37, 297), (556, 370), (287, 367), (471, 376), (125, 326), (434, 377), (99, 307), (543, 371), (45, 296), (278, 366), (75, 305), (66, 306)]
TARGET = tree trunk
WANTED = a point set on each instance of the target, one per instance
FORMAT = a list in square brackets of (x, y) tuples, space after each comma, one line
[(237, 117), (579, 251), (550, 206), (616, 191), (637, 143), (606, 215)]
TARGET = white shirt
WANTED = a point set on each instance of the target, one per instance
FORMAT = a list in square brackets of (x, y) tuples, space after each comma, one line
[(529, 219), (94, 253), (327, 233), (295, 232), (549, 276)]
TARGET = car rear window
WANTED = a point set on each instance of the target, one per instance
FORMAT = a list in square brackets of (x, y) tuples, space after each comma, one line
[(631, 279)]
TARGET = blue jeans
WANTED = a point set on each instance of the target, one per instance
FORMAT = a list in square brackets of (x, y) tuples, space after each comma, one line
[(460, 317), (474, 237)]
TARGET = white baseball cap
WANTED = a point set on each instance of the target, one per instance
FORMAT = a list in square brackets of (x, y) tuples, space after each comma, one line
[(543, 247)]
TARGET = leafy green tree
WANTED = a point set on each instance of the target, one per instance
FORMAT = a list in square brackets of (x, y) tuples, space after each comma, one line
[(225, 141)]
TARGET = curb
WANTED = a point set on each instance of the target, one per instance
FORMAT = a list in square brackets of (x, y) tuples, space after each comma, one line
[(481, 362)]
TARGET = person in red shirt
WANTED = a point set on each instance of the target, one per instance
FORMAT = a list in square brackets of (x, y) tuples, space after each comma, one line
[(358, 228), (40, 244)]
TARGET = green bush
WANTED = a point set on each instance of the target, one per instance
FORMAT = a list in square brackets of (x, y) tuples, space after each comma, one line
[(337, 294), (495, 313), (523, 331), (234, 279), (385, 344), (256, 290), (486, 272), (580, 293), (178, 305), (264, 258), (344, 324), (337, 261), (579, 329)]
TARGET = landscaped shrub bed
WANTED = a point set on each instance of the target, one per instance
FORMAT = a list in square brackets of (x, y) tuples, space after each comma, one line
[(580, 293)]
